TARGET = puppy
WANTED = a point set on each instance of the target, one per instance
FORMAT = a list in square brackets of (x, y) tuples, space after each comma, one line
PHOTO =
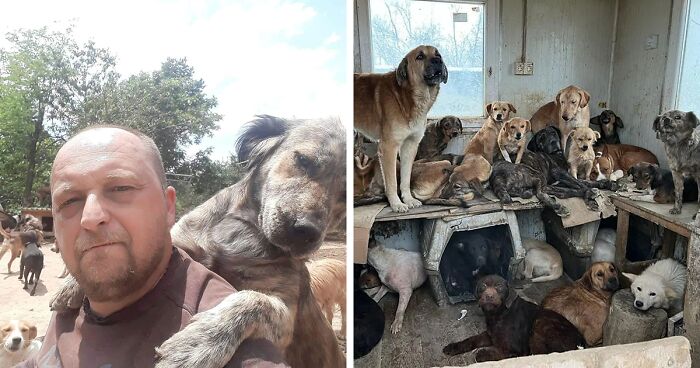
[(511, 139), (18, 344), (328, 286), (400, 271), (675, 129), (542, 262), (437, 136), (581, 155), (604, 246), (392, 109), (32, 261), (608, 123), (604, 168), (661, 285), (615, 157), (569, 110), (660, 181), (586, 302), (517, 330)]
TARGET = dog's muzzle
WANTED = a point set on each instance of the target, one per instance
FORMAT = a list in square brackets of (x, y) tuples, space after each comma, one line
[(585, 148), (518, 136)]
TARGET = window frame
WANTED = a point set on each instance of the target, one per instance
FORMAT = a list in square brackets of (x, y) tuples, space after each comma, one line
[(492, 40), (678, 34)]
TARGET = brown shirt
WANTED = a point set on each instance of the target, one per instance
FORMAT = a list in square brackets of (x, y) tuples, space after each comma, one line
[(128, 337)]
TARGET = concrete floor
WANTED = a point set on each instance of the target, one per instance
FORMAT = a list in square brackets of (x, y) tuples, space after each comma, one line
[(428, 328)]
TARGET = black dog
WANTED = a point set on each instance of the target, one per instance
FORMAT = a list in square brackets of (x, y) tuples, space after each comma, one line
[(609, 123), (368, 317), (509, 330), (32, 261), (675, 129), (651, 176)]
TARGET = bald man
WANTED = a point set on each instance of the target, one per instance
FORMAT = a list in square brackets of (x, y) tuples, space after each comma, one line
[(112, 214)]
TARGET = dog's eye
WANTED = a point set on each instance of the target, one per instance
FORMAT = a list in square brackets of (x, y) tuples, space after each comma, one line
[(599, 274), (652, 294), (678, 117), (639, 288), (305, 163), (420, 56), (24, 329)]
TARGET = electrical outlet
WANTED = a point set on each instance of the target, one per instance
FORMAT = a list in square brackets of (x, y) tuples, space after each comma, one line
[(519, 68), (603, 105), (529, 66)]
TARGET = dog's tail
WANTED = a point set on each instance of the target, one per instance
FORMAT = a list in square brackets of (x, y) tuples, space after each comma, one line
[(554, 274), (212, 337)]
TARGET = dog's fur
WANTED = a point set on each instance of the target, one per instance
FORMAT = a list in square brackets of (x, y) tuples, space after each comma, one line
[(368, 326), (660, 181), (512, 139), (18, 342), (400, 271), (615, 157), (586, 302), (541, 263), (604, 169), (31, 261), (392, 109), (509, 330), (604, 246), (581, 155), (15, 242), (430, 178), (608, 123), (569, 110), (661, 285), (675, 129), (437, 136), (256, 234), (328, 286)]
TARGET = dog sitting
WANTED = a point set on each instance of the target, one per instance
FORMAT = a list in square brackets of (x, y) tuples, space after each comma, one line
[(569, 110), (660, 182), (586, 302), (437, 136), (400, 271), (328, 286), (15, 243), (581, 155), (661, 285), (18, 342), (511, 139), (541, 263), (604, 246), (615, 157), (518, 330), (608, 123), (675, 129)]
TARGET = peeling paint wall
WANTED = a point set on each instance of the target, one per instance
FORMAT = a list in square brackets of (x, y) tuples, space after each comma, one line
[(568, 41), (638, 74)]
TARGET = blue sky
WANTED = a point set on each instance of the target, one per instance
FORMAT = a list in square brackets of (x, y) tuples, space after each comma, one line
[(279, 57)]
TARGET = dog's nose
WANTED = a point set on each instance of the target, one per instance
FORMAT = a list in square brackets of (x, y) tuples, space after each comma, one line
[(638, 304), (306, 231), (565, 117), (436, 60), (584, 148), (517, 136), (499, 116), (16, 340)]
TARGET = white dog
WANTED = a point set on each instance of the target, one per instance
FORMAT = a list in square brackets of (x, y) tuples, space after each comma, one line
[(661, 285), (542, 262), (400, 271), (604, 246), (18, 342)]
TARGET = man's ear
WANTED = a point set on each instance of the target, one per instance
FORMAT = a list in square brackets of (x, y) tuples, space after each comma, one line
[(170, 200)]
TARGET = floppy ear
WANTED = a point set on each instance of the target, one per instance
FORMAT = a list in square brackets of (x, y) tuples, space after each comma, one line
[(440, 125), (598, 154), (32, 332), (586, 279), (444, 73), (693, 119), (585, 97), (260, 137), (459, 121), (597, 134), (630, 276), (657, 121), (512, 108), (402, 72), (488, 109), (632, 171), (618, 121), (595, 120), (556, 99)]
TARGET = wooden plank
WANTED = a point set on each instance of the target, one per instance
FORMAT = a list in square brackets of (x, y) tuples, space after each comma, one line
[(623, 224), (654, 213), (637, 267)]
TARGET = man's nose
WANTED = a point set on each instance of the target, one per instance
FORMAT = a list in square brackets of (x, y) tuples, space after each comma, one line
[(94, 213)]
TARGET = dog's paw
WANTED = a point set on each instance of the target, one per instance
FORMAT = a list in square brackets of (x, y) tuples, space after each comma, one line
[(396, 326), (452, 349), (674, 211), (399, 207), (412, 202), (562, 211), (506, 199), (69, 296)]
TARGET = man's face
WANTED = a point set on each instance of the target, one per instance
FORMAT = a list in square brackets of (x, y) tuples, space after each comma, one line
[(111, 215)]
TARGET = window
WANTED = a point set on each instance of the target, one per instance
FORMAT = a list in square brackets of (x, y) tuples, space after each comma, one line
[(456, 28), (689, 86)]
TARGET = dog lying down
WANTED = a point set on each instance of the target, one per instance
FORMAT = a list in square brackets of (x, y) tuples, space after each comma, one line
[(400, 271), (661, 285), (542, 262)]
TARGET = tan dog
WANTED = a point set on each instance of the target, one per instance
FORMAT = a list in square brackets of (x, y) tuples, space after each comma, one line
[(581, 155), (511, 139), (430, 178), (569, 110), (437, 136), (328, 286), (586, 302), (392, 109), (18, 344), (15, 241), (615, 157)]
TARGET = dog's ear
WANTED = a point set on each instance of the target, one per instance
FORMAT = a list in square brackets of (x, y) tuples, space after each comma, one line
[(260, 136), (488, 109), (632, 171), (586, 279), (556, 99), (597, 134), (618, 121), (512, 108), (402, 72), (692, 118), (594, 120), (444, 73), (440, 125), (528, 126), (657, 121), (630, 276), (459, 122), (585, 97), (598, 154), (32, 332)]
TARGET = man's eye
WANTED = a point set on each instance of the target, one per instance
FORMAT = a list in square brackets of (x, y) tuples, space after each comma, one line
[(67, 202), (122, 188)]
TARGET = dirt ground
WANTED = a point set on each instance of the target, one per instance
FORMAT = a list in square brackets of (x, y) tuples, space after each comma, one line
[(18, 304)]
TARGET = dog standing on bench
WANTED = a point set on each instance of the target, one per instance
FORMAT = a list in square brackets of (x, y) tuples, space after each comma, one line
[(608, 123)]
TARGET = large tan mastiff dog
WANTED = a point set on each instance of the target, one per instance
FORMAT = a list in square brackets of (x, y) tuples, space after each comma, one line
[(569, 110), (392, 109)]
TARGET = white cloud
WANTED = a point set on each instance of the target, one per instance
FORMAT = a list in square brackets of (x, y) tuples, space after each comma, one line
[(241, 49)]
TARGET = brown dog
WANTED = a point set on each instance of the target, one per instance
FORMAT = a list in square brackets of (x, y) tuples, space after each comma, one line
[(511, 139), (392, 109), (615, 157), (569, 110), (328, 286), (586, 302), (437, 136), (581, 155), (15, 242)]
